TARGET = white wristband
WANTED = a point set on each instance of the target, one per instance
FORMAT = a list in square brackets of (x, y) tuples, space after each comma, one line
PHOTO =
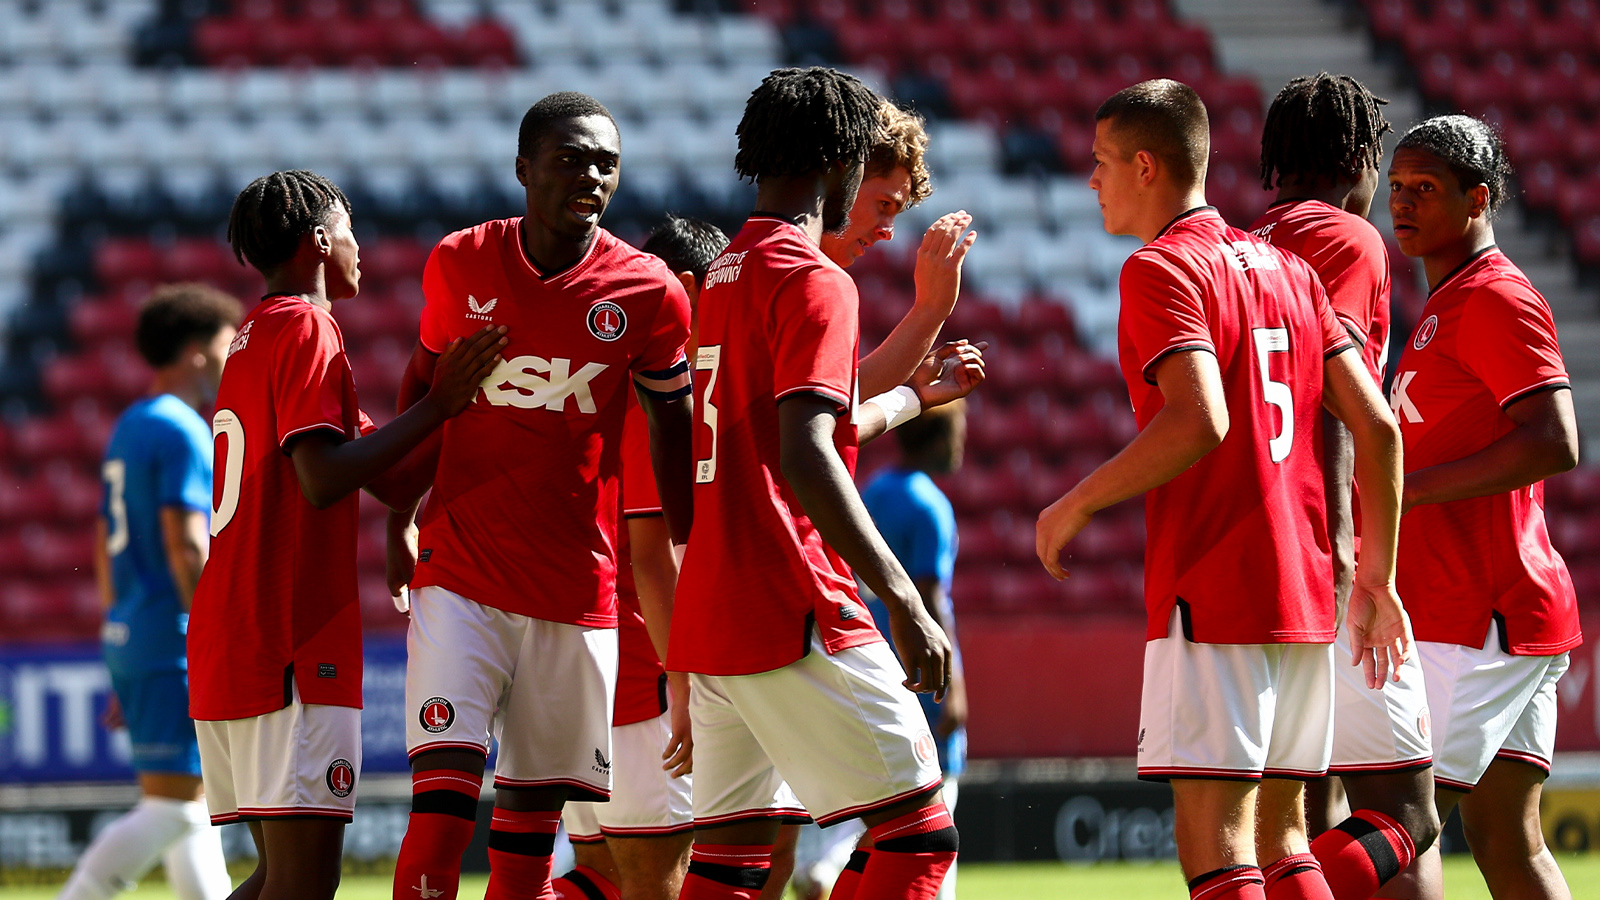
[(898, 406)]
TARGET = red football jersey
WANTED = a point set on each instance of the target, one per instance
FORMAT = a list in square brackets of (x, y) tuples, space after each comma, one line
[(1239, 541), (776, 317), (641, 688), (1350, 259), (1486, 340), (277, 602), (523, 514)]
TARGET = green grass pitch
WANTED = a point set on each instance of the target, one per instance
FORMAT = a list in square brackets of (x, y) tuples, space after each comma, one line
[(985, 881)]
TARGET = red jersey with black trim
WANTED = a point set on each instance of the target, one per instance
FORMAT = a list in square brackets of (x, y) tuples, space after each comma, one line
[(1351, 261), (1486, 340), (776, 318), (1239, 541), (277, 604), (641, 684), (523, 514)]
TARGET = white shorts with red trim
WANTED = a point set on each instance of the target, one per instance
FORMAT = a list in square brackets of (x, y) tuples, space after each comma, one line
[(1234, 711), (302, 760), (646, 800), (840, 729), (1378, 731), (1489, 704), (543, 689)]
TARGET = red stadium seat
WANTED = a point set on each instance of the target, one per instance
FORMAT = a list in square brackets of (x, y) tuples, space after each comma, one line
[(120, 260), (94, 321), (394, 259), (198, 259), (417, 42), (485, 42), (226, 42)]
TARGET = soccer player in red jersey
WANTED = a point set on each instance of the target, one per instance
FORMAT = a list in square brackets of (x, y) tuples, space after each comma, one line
[(1320, 150), (796, 699), (513, 628), (1230, 351), (636, 846), (275, 630), (1484, 405)]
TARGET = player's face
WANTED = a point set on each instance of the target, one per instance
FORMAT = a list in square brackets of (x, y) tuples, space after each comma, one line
[(878, 201), (845, 184), (1432, 213), (342, 269), (571, 176), (1115, 179), (215, 354)]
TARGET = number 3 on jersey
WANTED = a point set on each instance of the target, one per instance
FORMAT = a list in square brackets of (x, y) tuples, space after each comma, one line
[(1269, 341), (708, 358), (225, 497)]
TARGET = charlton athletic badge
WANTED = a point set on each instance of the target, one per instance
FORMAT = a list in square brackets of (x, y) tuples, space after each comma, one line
[(1425, 332), (437, 715), (607, 321), (341, 778)]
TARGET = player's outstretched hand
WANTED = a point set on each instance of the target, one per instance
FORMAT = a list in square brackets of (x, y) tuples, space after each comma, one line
[(679, 755), (1058, 524), (112, 718), (400, 564), (938, 272), (924, 649), (1380, 631), (463, 366), (949, 373)]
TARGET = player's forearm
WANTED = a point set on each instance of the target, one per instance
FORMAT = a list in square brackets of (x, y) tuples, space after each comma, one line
[(672, 459), (331, 470), (1338, 470), (892, 363), (187, 543), (417, 379), (102, 565), (401, 487), (655, 576), (1378, 479), (1175, 439), (1543, 443)]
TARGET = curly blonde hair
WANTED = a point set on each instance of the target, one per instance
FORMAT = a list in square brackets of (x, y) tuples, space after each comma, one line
[(903, 144)]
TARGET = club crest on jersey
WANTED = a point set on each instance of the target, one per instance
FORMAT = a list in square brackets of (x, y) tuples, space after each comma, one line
[(481, 311), (341, 778), (926, 751), (437, 715), (607, 321), (1425, 332)]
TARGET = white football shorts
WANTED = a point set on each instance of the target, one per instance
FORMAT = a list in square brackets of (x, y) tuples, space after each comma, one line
[(1386, 730), (1234, 711), (840, 729), (646, 801), (302, 760), (1487, 703), (542, 689)]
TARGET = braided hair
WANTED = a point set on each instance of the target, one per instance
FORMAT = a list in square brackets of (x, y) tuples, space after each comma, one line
[(1322, 126), (1470, 147), (805, 120), (275, 211)]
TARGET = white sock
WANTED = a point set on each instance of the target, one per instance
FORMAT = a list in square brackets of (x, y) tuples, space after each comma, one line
[(196, 868), (127, 848)]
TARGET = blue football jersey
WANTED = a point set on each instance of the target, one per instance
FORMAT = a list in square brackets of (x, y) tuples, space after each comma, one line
[(159, 456)]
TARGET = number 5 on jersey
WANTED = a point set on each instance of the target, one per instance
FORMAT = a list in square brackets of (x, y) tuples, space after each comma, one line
[(1269, 341), (225, 502), (708, 358)]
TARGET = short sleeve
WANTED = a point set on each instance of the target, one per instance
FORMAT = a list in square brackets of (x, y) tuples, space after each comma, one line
[(434, 333), (311, 378), (183, 473), (933, 541), (813, 331), (663, 369), (1162, 311), (639, 494), (1508, 340)]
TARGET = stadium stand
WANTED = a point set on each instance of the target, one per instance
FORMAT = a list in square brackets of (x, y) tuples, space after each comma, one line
[(131, 125)]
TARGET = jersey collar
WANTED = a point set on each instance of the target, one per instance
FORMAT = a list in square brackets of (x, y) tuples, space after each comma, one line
[(578, 265), (1182, 216), (1465, 264)]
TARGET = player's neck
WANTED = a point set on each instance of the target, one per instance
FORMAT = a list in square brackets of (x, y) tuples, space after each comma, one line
[(180, 381), (1443, 264), (309, 284), (1164, 210), (551, 253), (1338, 194), (798, 199)]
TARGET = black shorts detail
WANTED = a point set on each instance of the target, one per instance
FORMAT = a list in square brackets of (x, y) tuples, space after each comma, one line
[(446, 803), (522, 843), (733, 876)]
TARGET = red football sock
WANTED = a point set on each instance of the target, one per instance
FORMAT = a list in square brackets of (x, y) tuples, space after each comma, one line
[(727, 872), (1230, 883), (1297, 877), (1361, 853), (519, 854), (910, 855), (844, 888), (584, 883), (444, 809)]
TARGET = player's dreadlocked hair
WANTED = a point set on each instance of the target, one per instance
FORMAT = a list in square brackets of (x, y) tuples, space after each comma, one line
[(1166, 119), (176, 314), (1470, 147), (687, 245), (1321, 126), (805, 120), (273, 212), (904, 145), (555, 107)]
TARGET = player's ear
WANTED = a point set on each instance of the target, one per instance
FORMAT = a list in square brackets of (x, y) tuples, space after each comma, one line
[(1478, 195), (522, 171), (321, 240), (689, 286), (1146, 166)]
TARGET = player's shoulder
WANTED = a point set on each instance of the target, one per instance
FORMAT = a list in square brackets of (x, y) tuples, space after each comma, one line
[(161, 421), (1495, 283), (484, 237)]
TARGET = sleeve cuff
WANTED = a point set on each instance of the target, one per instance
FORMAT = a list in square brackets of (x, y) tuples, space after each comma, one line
[(669, 383), (1549, 384), (1175, 348)]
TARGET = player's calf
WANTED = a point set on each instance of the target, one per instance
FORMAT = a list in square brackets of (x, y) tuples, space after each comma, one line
[(444, 810), (727, 871), (911, 853)]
